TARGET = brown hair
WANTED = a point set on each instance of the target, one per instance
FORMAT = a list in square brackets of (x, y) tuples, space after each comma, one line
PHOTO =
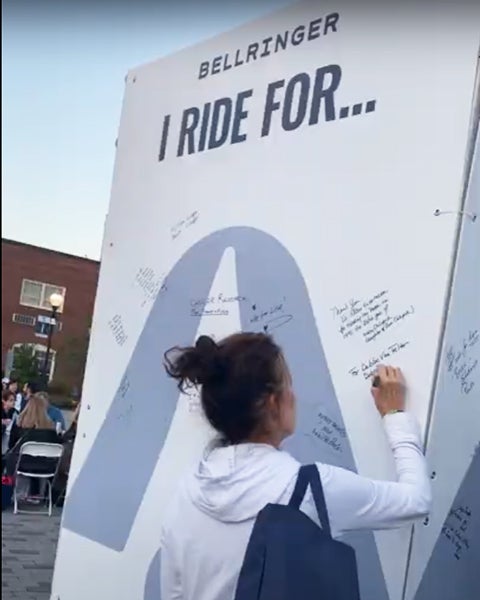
[(7, 394), (34, 415), (237, 375)]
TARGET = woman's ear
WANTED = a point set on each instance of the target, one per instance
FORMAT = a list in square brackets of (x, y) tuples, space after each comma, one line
[(274, 405)]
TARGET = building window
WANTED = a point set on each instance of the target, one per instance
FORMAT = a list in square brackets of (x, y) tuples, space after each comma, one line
[(31, 293), (23, 319), (36, 294), (39, 351)]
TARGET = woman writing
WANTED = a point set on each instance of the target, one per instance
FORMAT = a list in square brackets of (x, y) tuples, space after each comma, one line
[(247, 396)]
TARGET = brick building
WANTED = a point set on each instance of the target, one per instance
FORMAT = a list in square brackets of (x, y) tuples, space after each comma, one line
[(30, 275)]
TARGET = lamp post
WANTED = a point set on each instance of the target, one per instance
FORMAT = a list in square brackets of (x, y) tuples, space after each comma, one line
[(56, 302)]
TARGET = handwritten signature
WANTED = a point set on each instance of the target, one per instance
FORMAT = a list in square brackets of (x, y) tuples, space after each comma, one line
[(461, 365), (455, 530), (329, 432), (150, 284), (368, 367), (213, 306), (271, 318), (179, 227), (116, 327)]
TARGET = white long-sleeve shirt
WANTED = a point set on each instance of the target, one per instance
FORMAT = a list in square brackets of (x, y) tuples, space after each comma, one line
[(206, 531), (6, 434), (18, 401)]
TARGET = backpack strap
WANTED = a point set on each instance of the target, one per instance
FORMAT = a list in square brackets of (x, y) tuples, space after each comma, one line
[(309, 475)]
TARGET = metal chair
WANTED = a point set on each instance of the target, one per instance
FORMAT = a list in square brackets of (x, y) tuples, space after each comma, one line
[(38, 450)]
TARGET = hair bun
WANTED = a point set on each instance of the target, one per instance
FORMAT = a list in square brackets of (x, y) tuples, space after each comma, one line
[(196, 365), (206, 344), (212, 367)]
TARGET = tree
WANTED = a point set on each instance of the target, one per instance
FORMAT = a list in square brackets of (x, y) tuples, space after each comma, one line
[(73, 357), (25, 364)]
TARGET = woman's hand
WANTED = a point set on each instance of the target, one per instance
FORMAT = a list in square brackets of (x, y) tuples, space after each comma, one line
[(388, 390)]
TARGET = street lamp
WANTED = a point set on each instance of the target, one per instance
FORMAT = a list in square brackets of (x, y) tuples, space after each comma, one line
[(56, 302)]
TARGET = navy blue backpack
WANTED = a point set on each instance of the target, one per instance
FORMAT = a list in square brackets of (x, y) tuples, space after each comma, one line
[(289, 557)]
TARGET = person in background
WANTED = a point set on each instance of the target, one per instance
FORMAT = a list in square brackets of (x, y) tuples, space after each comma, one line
[(54, 413), (68, 441), (13, 387), (29, 389), (72, 430), (9, 415), (247, 396), (33, 425), (8, 404), (5, 382)]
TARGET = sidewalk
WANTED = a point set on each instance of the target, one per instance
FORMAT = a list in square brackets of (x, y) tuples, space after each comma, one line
[(28, 553), (29, 543)]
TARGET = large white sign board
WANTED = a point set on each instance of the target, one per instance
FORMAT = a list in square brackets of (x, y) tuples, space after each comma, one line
[(282, 177), (450, 538)]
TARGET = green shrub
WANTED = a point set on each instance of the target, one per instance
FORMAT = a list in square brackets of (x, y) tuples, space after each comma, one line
[(25, 364)]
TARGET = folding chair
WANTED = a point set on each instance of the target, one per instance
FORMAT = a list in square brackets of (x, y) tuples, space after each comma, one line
[(38, 450)]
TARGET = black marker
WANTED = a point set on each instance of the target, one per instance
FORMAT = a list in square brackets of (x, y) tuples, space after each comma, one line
[(376, 381)]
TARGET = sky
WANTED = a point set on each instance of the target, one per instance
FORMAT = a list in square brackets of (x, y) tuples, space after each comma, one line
[(63, 69)]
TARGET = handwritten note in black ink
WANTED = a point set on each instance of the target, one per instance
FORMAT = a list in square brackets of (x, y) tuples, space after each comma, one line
[(272, 317), (456, 530), (213, 306), (368, 317), (184, 224), (150, 284), (367, 368), (125, 408), (329, 432), (462, 365), (116, 327), (124, 386)]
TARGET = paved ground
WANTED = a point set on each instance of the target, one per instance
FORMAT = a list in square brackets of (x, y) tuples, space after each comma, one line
[(29, 543), (28, 554)]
